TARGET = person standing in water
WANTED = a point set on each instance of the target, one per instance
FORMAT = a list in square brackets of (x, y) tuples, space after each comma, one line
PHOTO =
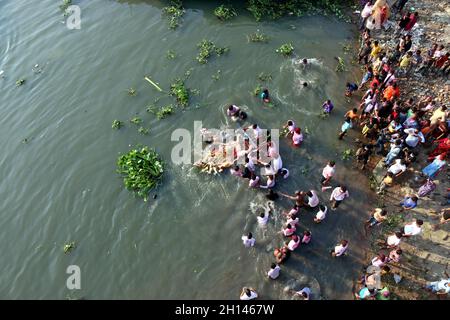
[(265, 96), (327, 107), (337, 196), (328, 173), (248, 294), (297, 137)]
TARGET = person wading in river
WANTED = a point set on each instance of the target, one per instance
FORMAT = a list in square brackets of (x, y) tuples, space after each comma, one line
[(337, 196)]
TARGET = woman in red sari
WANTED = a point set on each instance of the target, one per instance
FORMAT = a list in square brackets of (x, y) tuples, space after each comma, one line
[(443, 146)]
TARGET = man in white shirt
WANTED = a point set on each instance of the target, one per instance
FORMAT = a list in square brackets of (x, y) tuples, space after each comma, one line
[(263, 218), (248, 294), (414, 137), (274, 271), (292, 220), (321, 214), (248, 240), (340, 249), (337, 196), (294, 243), (392, 241), (412, 229), (328, 172), (365, 13), (313, 199), (397, 168)]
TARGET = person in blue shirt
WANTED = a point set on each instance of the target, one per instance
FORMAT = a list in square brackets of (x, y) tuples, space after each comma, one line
[(410, 202), (347, 125), (265, 96), (351, 87)]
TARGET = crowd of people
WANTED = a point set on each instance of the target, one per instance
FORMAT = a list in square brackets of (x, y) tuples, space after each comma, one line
[(393, 125), (396, 126)]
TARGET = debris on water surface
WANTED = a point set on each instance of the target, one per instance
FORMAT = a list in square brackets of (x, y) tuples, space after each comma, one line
[(69, 246)]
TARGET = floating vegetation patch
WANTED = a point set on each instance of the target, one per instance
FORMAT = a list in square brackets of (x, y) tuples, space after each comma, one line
[(188, 73), (257, 36), (257, 91), (142, 170), (207, 48), (194, 92), (216, 76), (180, 92), (175, 13), (286, 49), (224, 12), (20, 82), (65, 5), (136, 120), (143, 130), (347, 154), (132, 92), (264, 77), (68, 247), (164, 112), (276, 9), (341, 65), (347, 48), (170, 55), (116, 124)]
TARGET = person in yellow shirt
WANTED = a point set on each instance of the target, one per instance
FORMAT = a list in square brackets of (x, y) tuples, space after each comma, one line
[(405, 63), (387, 182), (376, 49), (405, 60)]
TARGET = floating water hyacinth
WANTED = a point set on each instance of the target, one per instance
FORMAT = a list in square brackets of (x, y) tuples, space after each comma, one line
[(207, 48), (257, 36), (116, 124), (132, 92), (286, 49), (175, 13), (68, 247), (180, 92), (142, 170), (136, 120), (224, 12)]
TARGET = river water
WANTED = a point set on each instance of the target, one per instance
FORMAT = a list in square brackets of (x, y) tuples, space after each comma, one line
[(60, 185)]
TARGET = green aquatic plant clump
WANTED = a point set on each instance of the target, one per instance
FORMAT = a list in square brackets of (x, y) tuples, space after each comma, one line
[(136, 120), (224, 12), (277, 9), (65, 5), (341, 65), (180, 92), (170, 55), (164, 112), (175, 13), (68, 247), (207, 48), (347, 154), (143, 130), (257, 36), (132, 92), (142, 170), (116, 124), (286, 49)]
